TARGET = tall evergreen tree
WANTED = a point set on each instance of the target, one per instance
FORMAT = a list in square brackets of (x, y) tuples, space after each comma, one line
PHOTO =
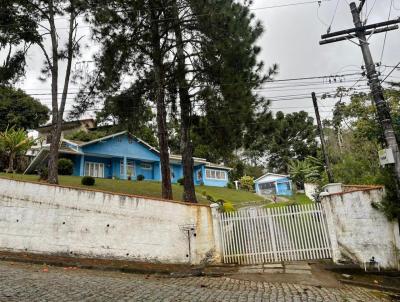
[(17, 33), (134, 39), (204, 46), (41, 16)]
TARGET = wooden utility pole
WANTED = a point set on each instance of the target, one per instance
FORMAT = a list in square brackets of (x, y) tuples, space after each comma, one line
[(321, 136), (360, 32)]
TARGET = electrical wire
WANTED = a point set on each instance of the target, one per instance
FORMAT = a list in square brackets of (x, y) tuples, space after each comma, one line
[(369, 13), (394, 68), (333, 17), (198, 15), (386, 33)]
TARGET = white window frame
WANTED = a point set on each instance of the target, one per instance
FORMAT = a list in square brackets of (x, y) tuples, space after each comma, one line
[(146, 166), (212, 174), (129, 163), (94, 169)]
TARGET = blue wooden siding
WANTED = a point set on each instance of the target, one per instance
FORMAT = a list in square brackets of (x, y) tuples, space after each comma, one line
[(215, 182), (157, 171), (147, 173), (112, 151), (121, 146), (176, 172), (198, 180), (283, 186)]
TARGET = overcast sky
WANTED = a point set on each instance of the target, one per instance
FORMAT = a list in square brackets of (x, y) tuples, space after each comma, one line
[(291, 40)]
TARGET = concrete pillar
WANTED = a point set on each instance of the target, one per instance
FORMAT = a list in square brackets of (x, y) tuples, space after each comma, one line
[(82, 166), (125, 163), (331, 224), (217, 232)]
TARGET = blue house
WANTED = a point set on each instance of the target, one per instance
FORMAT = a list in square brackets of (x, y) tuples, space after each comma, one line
[(273, 184), (124, 156)]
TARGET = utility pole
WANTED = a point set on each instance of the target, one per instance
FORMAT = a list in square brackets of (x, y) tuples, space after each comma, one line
[(321, 135), (360, 32)]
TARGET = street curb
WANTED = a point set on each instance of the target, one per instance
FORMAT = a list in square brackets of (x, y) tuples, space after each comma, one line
[(371, 286), (183, 271)]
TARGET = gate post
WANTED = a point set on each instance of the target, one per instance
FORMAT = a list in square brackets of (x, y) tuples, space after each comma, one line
[(326, 207), (216, 231), (272, 234)]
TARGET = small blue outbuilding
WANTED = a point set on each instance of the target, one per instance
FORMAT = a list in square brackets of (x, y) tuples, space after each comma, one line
[(273, 184)]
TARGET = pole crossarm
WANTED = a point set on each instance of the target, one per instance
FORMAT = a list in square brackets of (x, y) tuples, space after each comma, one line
[(350, 36), (360, 29)]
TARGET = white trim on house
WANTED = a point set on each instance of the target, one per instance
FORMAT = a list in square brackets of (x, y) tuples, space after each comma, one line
[(274, 174), (69, 142), (215, 166), (94, 169), (209, 175)]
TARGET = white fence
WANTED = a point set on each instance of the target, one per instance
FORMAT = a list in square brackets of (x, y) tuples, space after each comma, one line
[(277, 234)]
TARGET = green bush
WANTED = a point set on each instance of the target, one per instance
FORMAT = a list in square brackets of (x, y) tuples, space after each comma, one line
[(247, 183), (43, 174), (65, 166), (140, 177), (225, 206), (210, 198), (88, 181), (180, 181), (228, 207), (230, 185), (204, 193)]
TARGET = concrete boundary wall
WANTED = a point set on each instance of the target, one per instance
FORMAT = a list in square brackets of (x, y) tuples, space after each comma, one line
[(358, 231), (47, 219)]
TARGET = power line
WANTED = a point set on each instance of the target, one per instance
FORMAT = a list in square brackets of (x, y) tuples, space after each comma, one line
[(197, 15), (391, 72), (334, 15), (384, 40)]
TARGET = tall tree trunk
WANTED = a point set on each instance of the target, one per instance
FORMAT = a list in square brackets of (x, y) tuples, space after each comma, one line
[(11, 162), (159, 82), (58, 112), (56, 119), (189, 193)]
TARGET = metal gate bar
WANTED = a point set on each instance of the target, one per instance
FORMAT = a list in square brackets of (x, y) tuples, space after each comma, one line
[(271, 235)]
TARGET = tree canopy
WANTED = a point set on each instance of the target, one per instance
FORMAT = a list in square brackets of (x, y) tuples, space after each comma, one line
[(282, 138), (18, 109)]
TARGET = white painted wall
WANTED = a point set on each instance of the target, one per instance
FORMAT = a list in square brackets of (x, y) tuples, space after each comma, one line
[(358, 231), (310, 189), (56, 220)]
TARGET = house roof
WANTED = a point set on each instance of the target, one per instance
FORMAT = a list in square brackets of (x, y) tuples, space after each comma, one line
[(66, 149), (65, 124), (271, 174)]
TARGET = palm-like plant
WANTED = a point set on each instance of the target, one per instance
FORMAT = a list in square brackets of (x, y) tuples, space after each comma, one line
[(307, 170), (15, 142)]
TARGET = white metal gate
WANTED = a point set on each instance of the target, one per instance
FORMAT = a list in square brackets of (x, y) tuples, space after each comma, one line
[(271, 235)]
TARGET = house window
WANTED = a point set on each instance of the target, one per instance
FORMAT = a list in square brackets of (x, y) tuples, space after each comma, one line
[(215, 174), (130, 168), (145, 166), (94, 169)]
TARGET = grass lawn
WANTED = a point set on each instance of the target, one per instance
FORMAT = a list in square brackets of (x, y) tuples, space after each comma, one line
[(296, 199), (149, 188)]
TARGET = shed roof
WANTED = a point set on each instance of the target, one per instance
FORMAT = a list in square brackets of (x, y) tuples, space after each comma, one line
[(271, 177)]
